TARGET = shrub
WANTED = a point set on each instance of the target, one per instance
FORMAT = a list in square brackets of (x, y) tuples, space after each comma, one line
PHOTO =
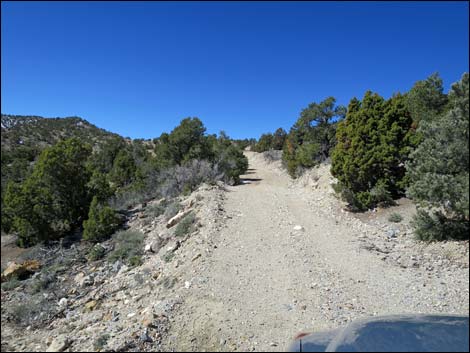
[(272, 155), (128, 198), (97, 252), (172, 210), (101, 223), (373, 142), (32, 312), (230, 165), (395, 217), (43, 282), (12, 283), (155, 211), (128, 247), (186, 225), (354, 200), (435, 226)]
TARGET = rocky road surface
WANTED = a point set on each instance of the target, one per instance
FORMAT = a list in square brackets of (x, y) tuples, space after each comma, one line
[(288, 260)]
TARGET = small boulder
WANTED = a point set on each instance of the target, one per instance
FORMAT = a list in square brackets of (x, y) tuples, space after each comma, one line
[(298, 227), (154, 246), (59, 344), (20, 270)]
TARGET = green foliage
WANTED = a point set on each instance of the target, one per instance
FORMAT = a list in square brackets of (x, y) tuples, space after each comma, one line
[(54, 198), (435, 226), (373, 143), (98, 186), (232, 163), (128, 247), (154, 211), (124, 168), (265, 143), (306, 154), (279, 137), (395, 217), (97, 252), (312, 137), (185, 142), (11, 284), (103, 159), (186, 225), (439, 167), (101, 222), (426, 99), (271, 141)]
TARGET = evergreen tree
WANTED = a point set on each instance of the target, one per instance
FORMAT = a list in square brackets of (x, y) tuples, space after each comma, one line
[(279, 137), (439, 170), (101, 222), (265, 143), (426, 100), (124, 168), (54, 198), (312, 138), (373, 142)]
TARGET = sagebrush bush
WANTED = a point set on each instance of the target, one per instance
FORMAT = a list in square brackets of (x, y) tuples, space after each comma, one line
[(12, 283), (272, 155), (395, 217), (128, 247), (97, 252), (172, 209), (32, 311), (155, 211), (128, 198), (186, 225)]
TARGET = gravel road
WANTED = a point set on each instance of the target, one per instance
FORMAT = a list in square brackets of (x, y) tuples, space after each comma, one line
[(285, 264)]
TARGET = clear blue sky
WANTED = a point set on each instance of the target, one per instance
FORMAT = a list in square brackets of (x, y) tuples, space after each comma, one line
[(138, 68)]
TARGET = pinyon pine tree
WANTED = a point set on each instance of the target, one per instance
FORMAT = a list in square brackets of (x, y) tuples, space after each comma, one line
[(439, 170)]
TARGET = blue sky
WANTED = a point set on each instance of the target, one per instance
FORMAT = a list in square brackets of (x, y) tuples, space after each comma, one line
[(138, 68)]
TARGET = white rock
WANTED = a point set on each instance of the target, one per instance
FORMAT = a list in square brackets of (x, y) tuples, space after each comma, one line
[(63, 302), (187, 284), (298, 227)]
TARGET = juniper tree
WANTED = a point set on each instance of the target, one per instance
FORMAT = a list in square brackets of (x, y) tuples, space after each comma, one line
[(54, 198), (373, 142)]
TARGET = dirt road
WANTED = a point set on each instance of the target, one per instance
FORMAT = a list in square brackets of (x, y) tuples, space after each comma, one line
[(285, 264)]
